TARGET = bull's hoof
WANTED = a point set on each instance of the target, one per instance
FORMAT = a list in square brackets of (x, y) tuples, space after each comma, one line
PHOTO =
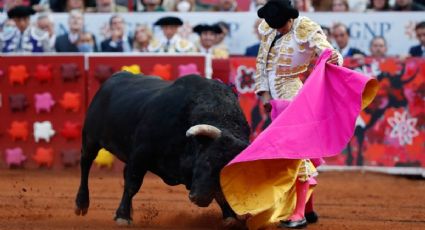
[(80, 211), (123, 222), (82, 203), (233, 223)]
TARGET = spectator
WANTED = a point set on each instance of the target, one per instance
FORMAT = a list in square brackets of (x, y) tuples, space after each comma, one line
[(256, 4), (171, 42), (151, 5), (107, 6), (407, 5), (40, 5), (24, 38), (357, 5), (341, 35), (190, 6), (118, 41), (421, 2), (207, 37), (169, 5), (322, 5), (74, 5), (142, 38), (68, 41), (378, 47), (252, 51), (340, 6), (225, 32), (124, 3), (9, 4), (304, 5), (379, 5), (67, 5), (8, 26), (226, 6), (45, 23), (86, 43), (419, 50)]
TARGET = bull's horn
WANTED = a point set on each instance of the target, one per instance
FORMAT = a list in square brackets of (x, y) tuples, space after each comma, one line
[(206, 130)]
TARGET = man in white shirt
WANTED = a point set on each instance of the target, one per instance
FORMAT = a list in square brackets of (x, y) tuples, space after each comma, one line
[(45, 23), (341, 35)]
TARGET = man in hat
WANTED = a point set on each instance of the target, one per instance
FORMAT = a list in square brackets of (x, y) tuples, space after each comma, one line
[(287, 44), (207, 37), (171, 42), (24, 38), (223, 36)]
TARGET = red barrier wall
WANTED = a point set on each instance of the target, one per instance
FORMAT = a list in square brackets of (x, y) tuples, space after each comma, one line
[(40, 69), (391, 132), (58, 116), (167, 66)]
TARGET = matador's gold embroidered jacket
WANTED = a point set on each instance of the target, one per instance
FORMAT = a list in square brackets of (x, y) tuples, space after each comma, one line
[(278, 67)]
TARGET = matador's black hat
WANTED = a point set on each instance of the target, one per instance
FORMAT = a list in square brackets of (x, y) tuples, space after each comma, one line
[(169, 21), (277, 13), (20, 12)]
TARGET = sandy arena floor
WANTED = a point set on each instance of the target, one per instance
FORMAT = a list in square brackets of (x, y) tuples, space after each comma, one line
[(44, 199)]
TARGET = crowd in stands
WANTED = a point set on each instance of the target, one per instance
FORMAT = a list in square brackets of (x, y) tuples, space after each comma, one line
[(119, 6), (17, 34)]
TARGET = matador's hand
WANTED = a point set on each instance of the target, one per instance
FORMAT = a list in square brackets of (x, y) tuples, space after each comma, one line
[(265, 98), (267, 107), (334, 58)]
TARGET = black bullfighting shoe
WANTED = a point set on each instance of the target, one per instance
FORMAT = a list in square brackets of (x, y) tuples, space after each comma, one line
[(311, 217), (297, 224)]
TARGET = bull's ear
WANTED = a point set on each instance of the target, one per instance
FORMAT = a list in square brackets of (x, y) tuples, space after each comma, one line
[(204, 130)]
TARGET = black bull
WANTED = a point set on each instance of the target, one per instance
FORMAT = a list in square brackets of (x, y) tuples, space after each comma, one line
[(184, 131)]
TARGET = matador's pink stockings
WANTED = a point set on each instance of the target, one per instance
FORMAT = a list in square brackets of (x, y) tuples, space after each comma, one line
[(301, 190), (309, 206)]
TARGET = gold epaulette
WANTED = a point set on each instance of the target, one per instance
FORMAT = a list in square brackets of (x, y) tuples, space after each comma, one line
[(264, 28), (305, 28)]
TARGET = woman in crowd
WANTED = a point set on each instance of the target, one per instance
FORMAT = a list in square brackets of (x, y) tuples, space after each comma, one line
[(142, 38)]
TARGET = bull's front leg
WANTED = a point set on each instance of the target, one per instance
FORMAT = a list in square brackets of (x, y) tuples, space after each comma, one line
[(230, 219), (133, 179)]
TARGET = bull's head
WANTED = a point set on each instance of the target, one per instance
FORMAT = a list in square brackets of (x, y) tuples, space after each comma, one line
[(213, 149)]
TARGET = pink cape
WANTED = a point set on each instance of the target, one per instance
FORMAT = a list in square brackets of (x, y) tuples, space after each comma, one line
[(320, 120)]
